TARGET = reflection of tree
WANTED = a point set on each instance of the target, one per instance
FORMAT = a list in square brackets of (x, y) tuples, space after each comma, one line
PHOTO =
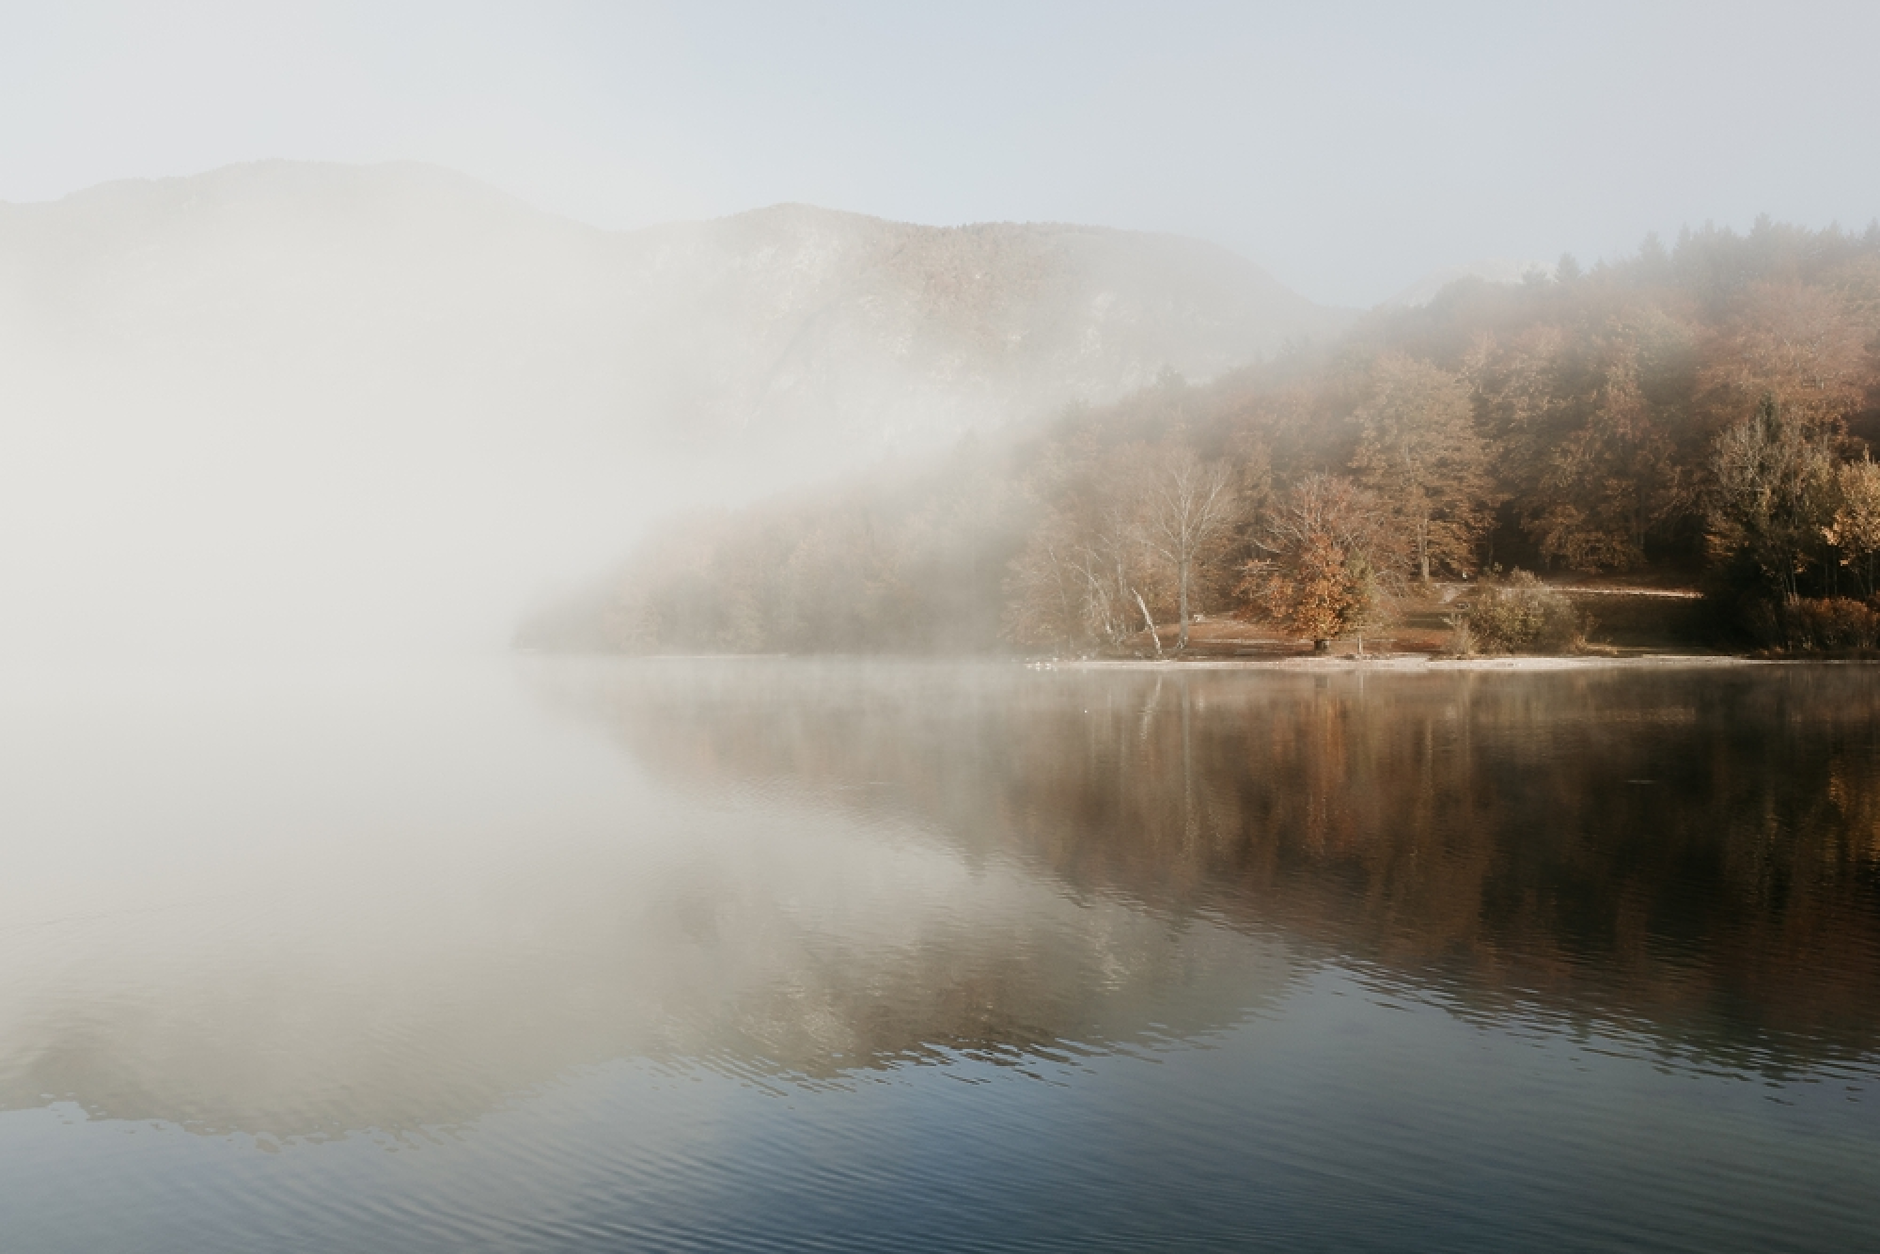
[(1699, 851)]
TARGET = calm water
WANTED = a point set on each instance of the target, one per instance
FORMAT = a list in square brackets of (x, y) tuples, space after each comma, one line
[(792, 955)]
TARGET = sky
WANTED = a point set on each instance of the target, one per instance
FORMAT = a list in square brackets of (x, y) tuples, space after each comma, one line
[(1349, 148)]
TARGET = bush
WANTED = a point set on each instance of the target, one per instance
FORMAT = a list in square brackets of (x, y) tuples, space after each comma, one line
[(1831, 625), (1461, 640), (1524, 615)]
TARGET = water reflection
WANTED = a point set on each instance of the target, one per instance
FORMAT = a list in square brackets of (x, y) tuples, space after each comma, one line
[(304, 907), (658, 955), (301, 908), (1691, 854)]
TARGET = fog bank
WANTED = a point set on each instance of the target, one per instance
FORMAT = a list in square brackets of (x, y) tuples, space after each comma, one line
[(284, 406)]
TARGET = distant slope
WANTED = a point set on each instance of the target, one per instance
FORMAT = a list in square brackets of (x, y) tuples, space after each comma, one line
[(290, 400), (832, 325), (799, 323), (1488, 270)]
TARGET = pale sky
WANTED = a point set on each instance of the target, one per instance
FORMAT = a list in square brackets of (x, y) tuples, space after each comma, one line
[(1348, 148)]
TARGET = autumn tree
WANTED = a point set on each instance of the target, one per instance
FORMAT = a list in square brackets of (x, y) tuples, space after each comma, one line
[(1803, 344), (1854, 531), (1774, 497), (1596, 447), (1420, 454), (1517, 383), (1607, 416), (1327, 555), (1605, 483)]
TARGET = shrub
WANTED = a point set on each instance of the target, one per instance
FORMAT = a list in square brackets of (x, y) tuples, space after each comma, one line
[(1831, 625), (1461, 640), (1524, 615)]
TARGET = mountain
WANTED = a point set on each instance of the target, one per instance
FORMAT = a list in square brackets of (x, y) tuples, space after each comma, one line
[(1489, 270), (287, 401)]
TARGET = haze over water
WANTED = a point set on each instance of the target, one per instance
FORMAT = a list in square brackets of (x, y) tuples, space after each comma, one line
[(792, 954)]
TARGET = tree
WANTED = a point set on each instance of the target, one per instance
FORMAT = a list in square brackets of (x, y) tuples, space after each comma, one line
[(1520, 613), (1594, 443), (1774, 497), (1855, 529), (1420, 453), (1803, 344), (1184, 511), (1517, 381), (1608, 482), (1084, 570), (1327, 554), (1071, 583)]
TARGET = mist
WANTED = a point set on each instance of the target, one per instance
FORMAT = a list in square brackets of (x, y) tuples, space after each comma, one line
[(289, 406), (525, 299), (830, 626)]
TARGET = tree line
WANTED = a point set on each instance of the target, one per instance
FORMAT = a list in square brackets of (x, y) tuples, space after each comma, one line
[(1694, 413)]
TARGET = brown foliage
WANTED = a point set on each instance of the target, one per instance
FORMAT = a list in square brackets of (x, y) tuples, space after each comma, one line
[(1602, 424), (1804, 344), (1420, 452), (1327, 555), (1831, 625), (1523, 615)]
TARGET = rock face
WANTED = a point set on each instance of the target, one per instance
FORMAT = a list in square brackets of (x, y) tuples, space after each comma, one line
[(331, 369)]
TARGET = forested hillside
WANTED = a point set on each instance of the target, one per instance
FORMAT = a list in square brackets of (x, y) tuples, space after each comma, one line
[(1694, 414)]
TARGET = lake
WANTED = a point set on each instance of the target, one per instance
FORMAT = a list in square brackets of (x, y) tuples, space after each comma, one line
[(793, 954)]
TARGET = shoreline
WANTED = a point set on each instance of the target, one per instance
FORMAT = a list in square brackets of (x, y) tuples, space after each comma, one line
[(1417, 662), (1406, 663)]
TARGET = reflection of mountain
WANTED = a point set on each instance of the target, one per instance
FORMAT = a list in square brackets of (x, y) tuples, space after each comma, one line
[(406, 962), (1694, 852), (768, 976)]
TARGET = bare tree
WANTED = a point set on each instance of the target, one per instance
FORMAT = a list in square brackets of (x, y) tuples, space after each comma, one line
[(1072, 584), (1185, 510)]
